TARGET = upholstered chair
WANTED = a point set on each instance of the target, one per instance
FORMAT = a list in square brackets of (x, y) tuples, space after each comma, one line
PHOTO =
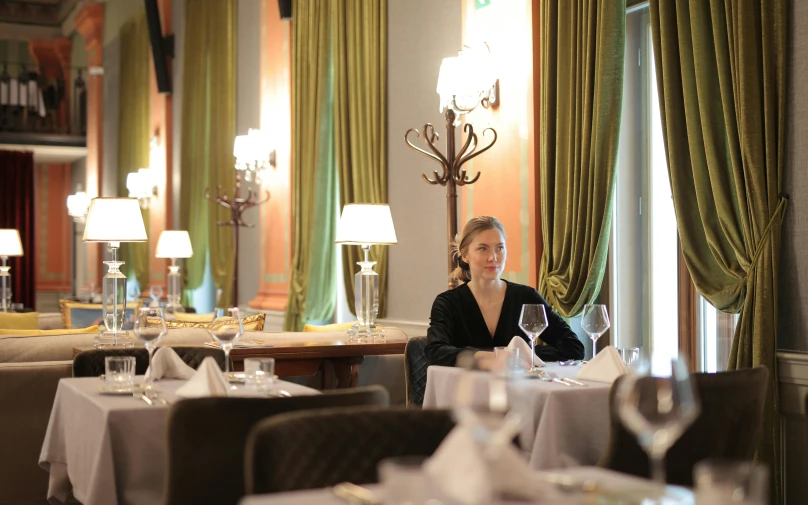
[(91, 363), (415, 365)]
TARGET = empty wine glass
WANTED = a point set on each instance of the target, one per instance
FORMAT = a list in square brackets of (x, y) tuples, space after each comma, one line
[(533, 321), (226, 330), (150, 333), (657, 404), (595, 322)]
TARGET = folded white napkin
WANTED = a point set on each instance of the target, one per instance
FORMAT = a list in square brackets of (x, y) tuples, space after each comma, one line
[(524, 352), (207, 381), (167, 364), (606, 366), (472, 473)]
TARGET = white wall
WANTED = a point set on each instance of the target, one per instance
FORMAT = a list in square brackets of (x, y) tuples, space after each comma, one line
[(248, 115), (420, 34)]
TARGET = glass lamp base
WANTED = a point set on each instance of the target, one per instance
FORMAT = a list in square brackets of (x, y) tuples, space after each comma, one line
[(366, 332), (106, 339)]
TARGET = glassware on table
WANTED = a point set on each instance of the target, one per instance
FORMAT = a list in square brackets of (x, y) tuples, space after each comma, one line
[(259, 374), (403, 481), (150, 328), (657, 404), (226, 328), (506, 359), (119, 372), (533, 322), (629, 355), (724, 482), (595, 322)]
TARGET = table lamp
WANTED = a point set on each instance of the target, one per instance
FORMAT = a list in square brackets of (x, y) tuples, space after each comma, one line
[(366, 224), (10, 245), (114, 220), (174, 244)]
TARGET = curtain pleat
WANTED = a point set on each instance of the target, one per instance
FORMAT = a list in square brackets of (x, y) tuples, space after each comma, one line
[(312, 144), (17, 211), (208, 130), (360, 110), (133, 130), (582, 52), (721, 78)]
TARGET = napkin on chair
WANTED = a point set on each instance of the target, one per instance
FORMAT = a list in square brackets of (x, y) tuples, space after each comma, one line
[(606, 366), (524, 352), (207, 381), (473, 473), (167, 364)]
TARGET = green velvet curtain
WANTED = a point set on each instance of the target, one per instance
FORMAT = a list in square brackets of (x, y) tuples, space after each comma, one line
[(313, 173), (133, 130), (208, 130), (360, 103), (721, 77), (582, 51)]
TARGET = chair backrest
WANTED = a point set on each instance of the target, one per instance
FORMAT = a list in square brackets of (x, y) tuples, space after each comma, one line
[(415, 365), (206, 438), (728, 427), (315, 449), (91, 363)]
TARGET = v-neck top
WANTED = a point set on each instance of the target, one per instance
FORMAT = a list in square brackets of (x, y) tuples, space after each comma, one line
[(457, 323)]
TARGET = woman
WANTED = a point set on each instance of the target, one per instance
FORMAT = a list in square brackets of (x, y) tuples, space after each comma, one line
[(484, 311)]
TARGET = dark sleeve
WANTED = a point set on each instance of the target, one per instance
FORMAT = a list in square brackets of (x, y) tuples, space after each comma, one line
[(439, 348), (562, 342)]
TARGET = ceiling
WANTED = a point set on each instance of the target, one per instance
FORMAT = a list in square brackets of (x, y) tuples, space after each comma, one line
[(35, 12)]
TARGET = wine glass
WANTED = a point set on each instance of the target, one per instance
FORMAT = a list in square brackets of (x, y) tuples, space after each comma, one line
[(150, 333), (533, 321), (595, 322), (226, 330), (657, 405)]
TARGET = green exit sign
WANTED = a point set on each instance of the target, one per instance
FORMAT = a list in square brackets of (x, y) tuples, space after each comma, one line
[(482, 3)]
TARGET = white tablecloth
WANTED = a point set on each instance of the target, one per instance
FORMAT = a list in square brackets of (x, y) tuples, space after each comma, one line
[(606, 479), (112, 449), (564, 426)]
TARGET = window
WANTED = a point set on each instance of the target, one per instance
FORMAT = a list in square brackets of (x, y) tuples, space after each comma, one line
[(645, 260)]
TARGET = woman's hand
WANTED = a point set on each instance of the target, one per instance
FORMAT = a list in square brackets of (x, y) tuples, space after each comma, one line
[(484, 360)]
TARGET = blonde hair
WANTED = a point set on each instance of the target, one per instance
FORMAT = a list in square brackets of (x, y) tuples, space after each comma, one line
[(461, 245)]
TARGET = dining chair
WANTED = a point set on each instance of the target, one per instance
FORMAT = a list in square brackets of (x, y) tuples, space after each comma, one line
[(320, 448), (415, 365), (728, 427), (206, 439), (91, 363)]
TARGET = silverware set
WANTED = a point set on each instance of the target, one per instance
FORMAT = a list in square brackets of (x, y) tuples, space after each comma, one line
[(150, 397), (553, 377)]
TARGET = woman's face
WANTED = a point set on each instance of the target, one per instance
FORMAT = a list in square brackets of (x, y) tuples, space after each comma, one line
[(486, 255)]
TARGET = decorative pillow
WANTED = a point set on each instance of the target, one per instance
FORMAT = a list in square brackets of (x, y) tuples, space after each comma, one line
[(183, 317), (329, 327), (39, 333), (15, 321), (82, 315), (253, 322)]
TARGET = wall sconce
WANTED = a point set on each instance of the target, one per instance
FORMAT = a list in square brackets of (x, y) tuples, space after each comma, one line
[(77, 205), (253, 157), (141, 185), (467, 80)]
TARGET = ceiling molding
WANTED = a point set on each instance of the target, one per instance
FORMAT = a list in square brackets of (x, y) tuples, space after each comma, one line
[(16, 31)]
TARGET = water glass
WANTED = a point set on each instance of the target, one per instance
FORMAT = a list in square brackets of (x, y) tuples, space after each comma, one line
[(629, 355), (226, 328), (403, 481), (723, 482), (119, 372), (533, 321), (595, 322), (259, 374), (150, 328), (507, 359)]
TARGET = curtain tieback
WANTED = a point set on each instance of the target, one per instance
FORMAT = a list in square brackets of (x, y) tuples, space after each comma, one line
[(778, 212)]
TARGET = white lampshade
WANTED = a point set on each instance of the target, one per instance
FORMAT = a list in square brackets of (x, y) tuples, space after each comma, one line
[(466, 74), (114, 220), (174, 244), (366, 223), (10, 244)]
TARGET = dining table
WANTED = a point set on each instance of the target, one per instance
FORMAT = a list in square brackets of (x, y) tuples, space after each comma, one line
[(563, 424), (111, 449)]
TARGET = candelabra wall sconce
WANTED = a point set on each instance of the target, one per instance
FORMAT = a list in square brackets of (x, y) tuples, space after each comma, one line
[(464, 82), (252, 158)]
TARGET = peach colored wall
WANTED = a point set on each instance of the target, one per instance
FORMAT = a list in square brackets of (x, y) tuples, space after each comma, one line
[(53, 225), (506, 188), (276, 121)]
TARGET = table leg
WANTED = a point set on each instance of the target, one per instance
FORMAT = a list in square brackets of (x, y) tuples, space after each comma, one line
[(347, 371)]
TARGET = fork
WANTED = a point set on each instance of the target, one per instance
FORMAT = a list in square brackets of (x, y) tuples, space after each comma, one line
[(552, 377), (556, 378)]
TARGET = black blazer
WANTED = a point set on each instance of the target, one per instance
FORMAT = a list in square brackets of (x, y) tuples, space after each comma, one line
[(457, 323)]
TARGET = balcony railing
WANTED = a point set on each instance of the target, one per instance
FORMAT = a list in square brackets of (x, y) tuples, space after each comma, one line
[(35, 106)]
